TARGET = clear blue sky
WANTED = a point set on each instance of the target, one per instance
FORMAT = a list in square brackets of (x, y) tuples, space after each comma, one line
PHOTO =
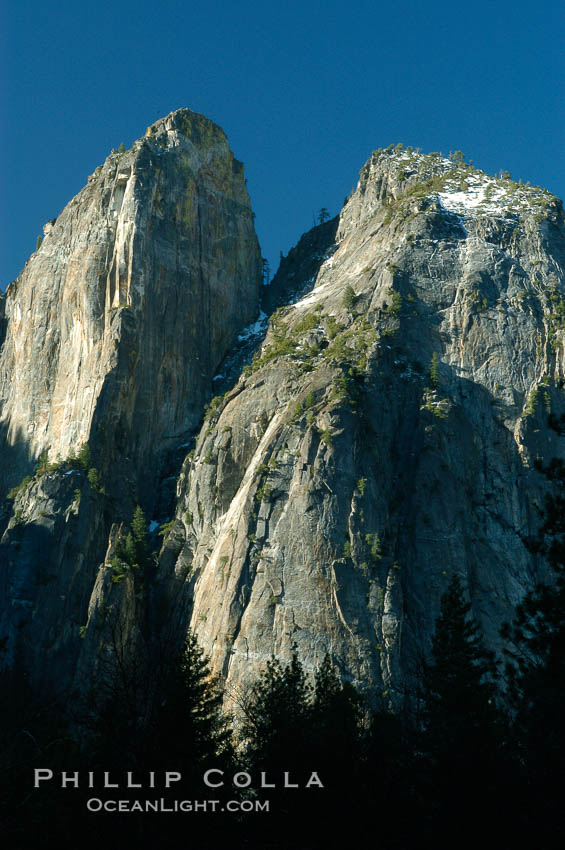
[(304, 90)]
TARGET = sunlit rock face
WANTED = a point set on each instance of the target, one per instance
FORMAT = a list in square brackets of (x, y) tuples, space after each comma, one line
[(118, 322), (385, 436), (111, 336)]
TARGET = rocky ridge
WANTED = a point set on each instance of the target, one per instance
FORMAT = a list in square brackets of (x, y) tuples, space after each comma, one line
[(385, 434), (381, 436)]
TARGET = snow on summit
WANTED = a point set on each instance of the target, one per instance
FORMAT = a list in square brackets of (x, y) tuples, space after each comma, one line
[(463, 189)]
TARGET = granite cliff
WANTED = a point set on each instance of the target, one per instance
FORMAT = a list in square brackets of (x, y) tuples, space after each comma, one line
[(385, 433), (111, 337), (381, 435), (137, 291)]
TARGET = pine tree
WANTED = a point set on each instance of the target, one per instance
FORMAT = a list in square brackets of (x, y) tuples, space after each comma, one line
[(186, 715), (337, 708), (278, 712), (132, 548), (139, 526), (459, 682), (295, 729), (128, 551), (338, 733), (94, 479), (349, 297), (159, 707), (139, 535), (464, 731), (84, 456)]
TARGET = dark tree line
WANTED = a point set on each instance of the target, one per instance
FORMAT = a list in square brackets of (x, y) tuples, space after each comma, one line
[(477, 763)]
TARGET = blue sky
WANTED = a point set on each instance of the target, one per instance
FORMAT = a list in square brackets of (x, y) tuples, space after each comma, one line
[(304, 90)]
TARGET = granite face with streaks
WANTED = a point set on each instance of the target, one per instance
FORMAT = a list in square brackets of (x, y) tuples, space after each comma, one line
[(339, 484)]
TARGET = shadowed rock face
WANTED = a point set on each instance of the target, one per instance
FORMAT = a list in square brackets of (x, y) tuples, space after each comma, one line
[(111, 336), (340, 483), (120, 319), (382, 438)]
